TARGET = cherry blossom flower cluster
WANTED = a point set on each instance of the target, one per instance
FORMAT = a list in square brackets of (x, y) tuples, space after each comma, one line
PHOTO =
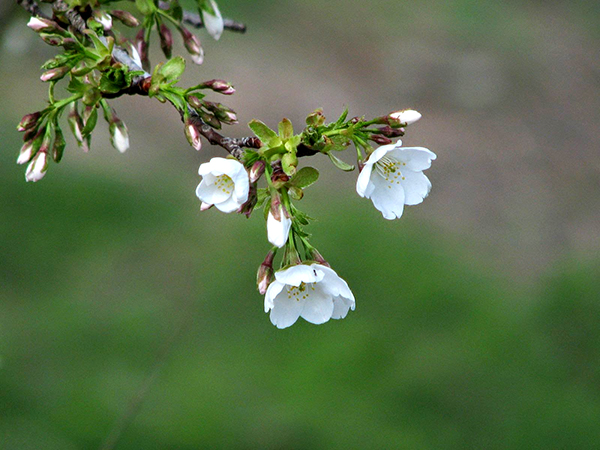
[(101, 64), (391, 177)]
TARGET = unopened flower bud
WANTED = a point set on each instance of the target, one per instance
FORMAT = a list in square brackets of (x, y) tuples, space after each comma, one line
[(314, 255), (222, 112), (27, 151), (265, 273), (247, 208), (54, 74), (41, 24), (258, 168), (193, 135), (315, 118), (29, 121), (166, 40), (102, 18), (119, 137), (195, 102), (279, 178), (206, 206), (51, 39), (142, 48), (381, 140), (220, 86), (408, 116), (213, 21), (193, 46), (210, 119), (76, 125), (37, 167), (391, 132), (59, 145), (125, 18)]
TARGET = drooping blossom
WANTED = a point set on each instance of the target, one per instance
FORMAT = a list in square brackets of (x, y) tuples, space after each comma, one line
[(314, 292)]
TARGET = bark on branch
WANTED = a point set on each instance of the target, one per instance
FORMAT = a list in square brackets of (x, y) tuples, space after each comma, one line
[(141, 84)]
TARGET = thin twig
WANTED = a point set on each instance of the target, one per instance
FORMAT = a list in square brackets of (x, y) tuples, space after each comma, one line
[(141, 84), (135, 403), (195, 20), (31, 7)]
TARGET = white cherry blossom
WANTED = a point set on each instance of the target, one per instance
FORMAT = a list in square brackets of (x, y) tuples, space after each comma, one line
[(314, 292), (224, 184), (393, 177)]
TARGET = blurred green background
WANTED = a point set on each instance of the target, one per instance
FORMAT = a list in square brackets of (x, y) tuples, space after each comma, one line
[(477, 318)]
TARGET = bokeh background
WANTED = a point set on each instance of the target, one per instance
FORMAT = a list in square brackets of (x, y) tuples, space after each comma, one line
[(478, 313)]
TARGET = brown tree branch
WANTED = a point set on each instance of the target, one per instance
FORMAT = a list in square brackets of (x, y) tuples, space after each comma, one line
[(141, 84), (196, 21), (31, 7)]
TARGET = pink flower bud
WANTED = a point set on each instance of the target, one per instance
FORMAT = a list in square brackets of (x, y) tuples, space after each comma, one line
[(28, 121), (193, 46), (37, 167), (193, 135), (264, 275), (381, 140), (26, 152), (166, 40), (41, 24), (125, 18), (103, 18), (258, 168), (220, 86), (206, 206), (54, 74)]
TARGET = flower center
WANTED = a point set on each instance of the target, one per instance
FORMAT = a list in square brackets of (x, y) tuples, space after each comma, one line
[(300, 292), (389, 169), (224, 183)]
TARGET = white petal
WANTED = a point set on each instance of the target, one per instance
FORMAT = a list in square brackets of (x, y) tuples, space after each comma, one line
[(318, 306), (278, 230), (296, 275), (229, 205), (362, 183), (416, 187), (381, 152), (210, 193), (120, 140), (333, 283), (272, 291), (388, 198), (285, 310), (213, 24), (341, 306), (416, 158), (242, 184)]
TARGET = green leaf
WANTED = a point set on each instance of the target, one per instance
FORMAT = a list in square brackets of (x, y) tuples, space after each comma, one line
[(305, 177), (91, 123), (114, 80), (262, 196), (286, 130), (173, 69), (263, 132), (145, 6), (177, 100), (339, 163), (76, 86), (342, 118)]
